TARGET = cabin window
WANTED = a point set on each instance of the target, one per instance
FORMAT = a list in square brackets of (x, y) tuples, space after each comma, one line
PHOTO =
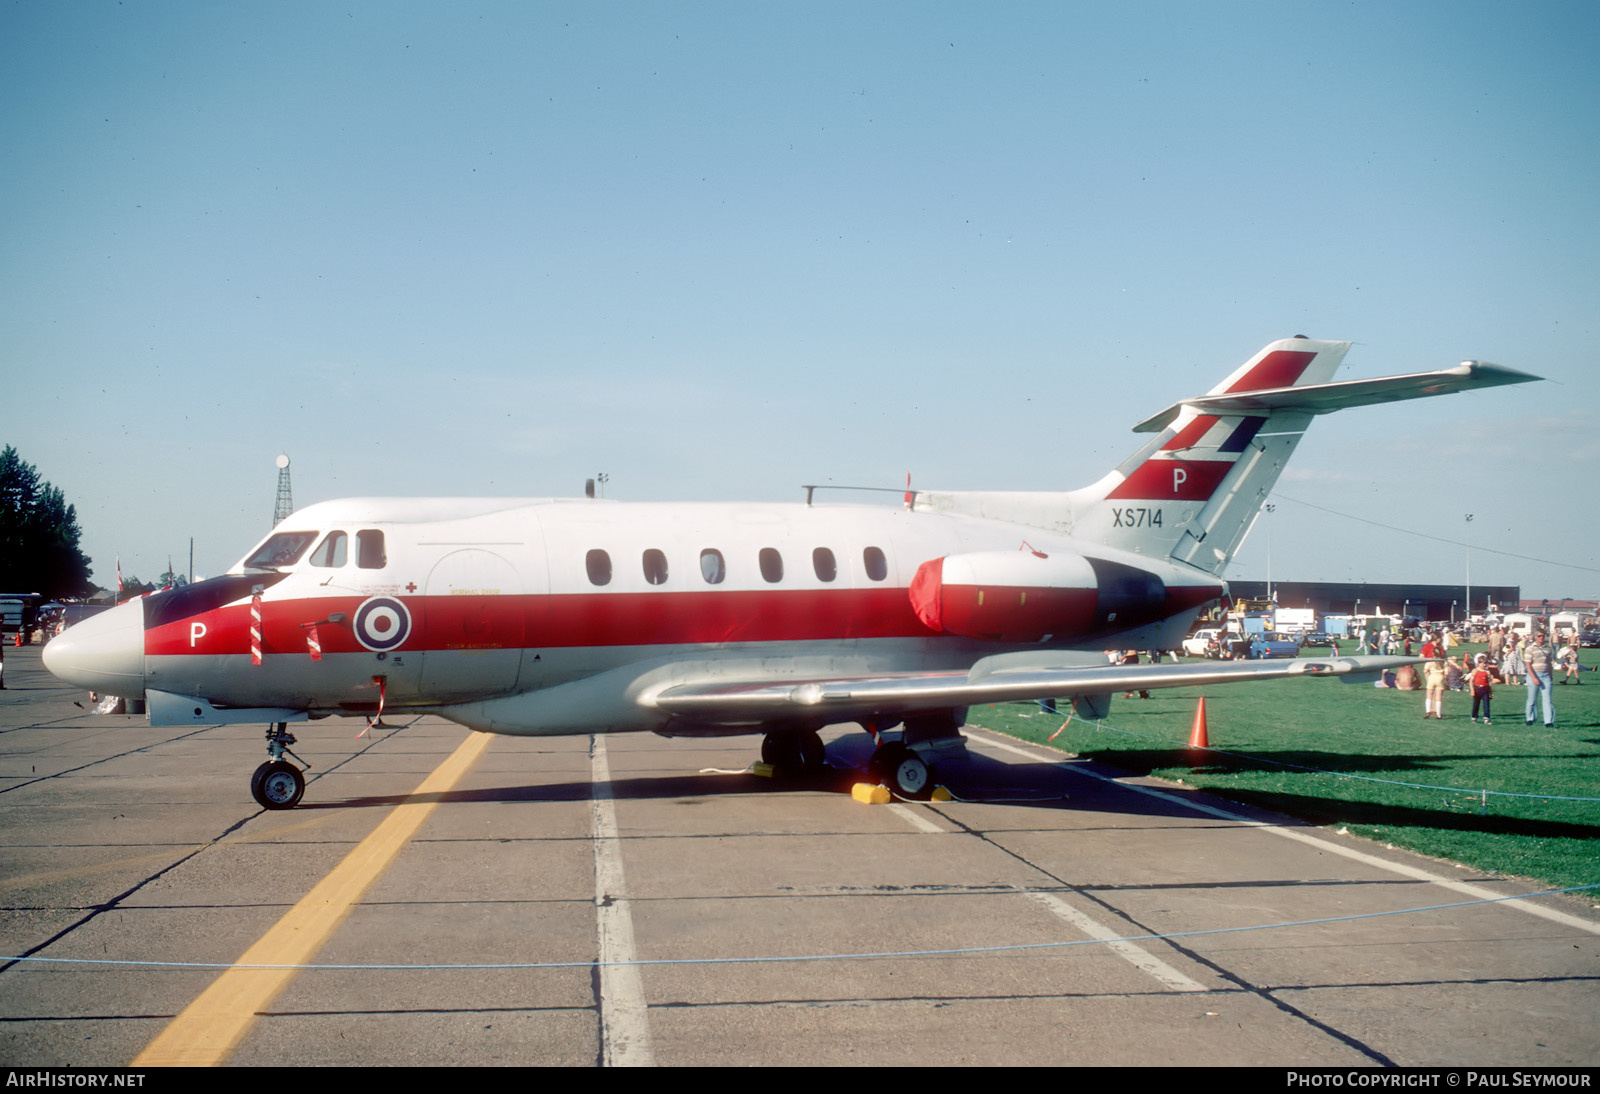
[(370, 554), (598, 564), (281, 549), (823, 563), (877, 566), (333, 550), (712, 566), (771, 564), (655, 567)]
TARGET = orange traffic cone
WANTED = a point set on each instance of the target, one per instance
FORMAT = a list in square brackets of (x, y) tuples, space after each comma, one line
[(1197, 735)]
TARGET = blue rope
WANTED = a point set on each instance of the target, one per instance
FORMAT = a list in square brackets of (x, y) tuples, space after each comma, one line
[(872, 955), (1475, 792)]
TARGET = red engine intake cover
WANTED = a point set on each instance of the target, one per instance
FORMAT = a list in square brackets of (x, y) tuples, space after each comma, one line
[(1006, 596), (1021, 596)]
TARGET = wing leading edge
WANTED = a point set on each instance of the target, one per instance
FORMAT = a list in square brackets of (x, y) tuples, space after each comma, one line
[(840, 700)]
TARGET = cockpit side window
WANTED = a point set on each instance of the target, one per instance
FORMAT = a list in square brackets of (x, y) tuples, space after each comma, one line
[(281, 549), (370, 554), (333, 550)]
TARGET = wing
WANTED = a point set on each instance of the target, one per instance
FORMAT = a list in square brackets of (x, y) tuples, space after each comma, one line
[(842, 700)]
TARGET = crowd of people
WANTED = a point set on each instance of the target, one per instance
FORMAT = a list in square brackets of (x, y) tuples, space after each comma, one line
[(1511, 658)]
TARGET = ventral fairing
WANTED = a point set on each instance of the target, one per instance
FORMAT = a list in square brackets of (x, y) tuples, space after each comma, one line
[(573, 616)]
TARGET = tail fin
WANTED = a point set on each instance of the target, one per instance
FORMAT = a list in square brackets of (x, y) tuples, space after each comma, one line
[(1194, 490)]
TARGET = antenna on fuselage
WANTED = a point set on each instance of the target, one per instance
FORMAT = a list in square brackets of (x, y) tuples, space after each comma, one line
[(285, 503)]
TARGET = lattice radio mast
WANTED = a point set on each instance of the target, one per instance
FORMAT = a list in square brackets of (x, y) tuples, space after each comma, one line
[(285, 503)]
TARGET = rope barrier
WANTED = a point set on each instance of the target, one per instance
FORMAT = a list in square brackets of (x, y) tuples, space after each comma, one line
[(768, 960)]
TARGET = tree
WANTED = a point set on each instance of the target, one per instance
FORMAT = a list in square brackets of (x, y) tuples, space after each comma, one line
[(38, 534), (132, 587)]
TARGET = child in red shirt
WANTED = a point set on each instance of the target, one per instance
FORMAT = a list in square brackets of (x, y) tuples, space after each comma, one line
[(1481, 681)]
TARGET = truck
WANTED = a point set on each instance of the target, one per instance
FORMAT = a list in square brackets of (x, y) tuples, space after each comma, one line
[(1294, 620)]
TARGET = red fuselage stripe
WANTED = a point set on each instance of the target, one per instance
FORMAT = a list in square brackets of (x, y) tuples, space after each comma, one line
[(574, 621), (551, 621)]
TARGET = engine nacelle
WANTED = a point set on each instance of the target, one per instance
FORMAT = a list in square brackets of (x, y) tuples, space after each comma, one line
[(1024, 596)]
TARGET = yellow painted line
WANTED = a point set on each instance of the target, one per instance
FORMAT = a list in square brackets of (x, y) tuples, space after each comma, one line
[(209, 1028)]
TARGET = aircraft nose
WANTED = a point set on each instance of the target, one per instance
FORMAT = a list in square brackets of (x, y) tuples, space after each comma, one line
[(104, 653)]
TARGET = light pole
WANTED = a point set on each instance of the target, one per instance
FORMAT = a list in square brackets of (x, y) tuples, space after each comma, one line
[(1469, 570), (1269, 509)]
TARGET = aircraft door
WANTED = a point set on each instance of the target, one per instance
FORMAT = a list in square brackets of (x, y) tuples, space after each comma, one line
[(473, 624)]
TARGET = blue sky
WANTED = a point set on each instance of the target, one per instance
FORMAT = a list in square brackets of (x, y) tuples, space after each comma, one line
[(720, 250)]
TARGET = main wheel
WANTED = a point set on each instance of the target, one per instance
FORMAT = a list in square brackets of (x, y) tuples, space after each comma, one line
[(772, 750), (794, 753), (812, 753), (903, 770), (277, 784)]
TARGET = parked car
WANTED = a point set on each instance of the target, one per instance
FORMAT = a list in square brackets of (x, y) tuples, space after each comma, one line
[(1202, 643), (1274, 644), (77, 613), (1317, 638)]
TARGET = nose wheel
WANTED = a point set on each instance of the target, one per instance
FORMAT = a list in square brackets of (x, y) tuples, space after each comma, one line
[(277, 784)]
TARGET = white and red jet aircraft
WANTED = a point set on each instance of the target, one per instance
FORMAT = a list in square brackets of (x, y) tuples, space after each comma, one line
[(572, 616)]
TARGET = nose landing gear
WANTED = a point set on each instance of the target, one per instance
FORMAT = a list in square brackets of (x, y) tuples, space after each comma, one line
[(278, 784)]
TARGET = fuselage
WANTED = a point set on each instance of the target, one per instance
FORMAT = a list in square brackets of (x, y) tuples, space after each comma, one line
[(538, 616), (560, 616)]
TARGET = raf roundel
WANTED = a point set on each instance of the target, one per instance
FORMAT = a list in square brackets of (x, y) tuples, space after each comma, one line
[(382, 623)]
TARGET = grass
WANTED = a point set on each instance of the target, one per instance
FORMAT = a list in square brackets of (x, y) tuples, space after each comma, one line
[(1364, 758)]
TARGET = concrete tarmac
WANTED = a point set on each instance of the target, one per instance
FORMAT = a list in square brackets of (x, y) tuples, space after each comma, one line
[(777, 923)]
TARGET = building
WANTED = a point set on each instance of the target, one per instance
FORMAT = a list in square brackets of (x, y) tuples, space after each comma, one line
[(1429, 602)]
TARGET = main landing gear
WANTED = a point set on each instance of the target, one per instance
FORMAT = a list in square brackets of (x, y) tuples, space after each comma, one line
[(799, 754), (278, 784), (795, 753), (905, 765)]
